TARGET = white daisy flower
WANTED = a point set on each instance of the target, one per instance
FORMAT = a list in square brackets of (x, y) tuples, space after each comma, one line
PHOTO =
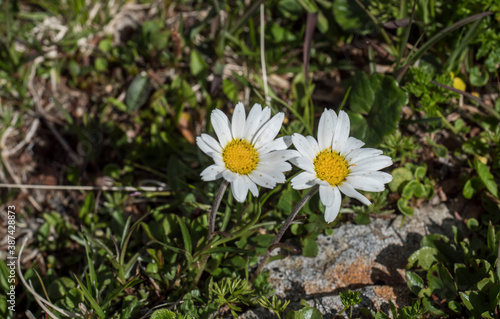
[(337, 163), (246, 153)]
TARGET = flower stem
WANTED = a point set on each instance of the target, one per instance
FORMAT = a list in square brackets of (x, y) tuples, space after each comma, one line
[(211, 227), (283, 229)]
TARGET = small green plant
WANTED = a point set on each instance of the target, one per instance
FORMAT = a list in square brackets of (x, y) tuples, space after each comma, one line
[(458, 277), (349, 299), (230, 292), (167, 314), (412, 183), (379, 203), (399, 147), (415, 311), (275, 305)]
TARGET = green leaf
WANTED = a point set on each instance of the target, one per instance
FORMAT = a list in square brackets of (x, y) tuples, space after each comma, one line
[(473, 224), (486, 177), (101, 64), (441, 243), (60, 287), (137, 93), (350, 16), (105, 45), (375, 105), (469, 277), (420, 172), (404, 207), (476, 303), (230, 90), (309, 5), (197, 63), (185, 235), (287, 200), (413, 188), (290, 9), (90, 299), (414, 282), (400, 175), (441, 282), (425, 257), (74, 68), (431, 306), (362, 95), (305, 313), (478, 77), (163, 314), (362, 219), (471, 187), (309, 247)]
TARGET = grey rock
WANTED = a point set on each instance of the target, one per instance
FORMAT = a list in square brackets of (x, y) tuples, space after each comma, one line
[(368, 258)]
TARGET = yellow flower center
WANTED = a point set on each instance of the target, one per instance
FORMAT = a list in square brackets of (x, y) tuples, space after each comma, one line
[(331, 167), (240, 157)]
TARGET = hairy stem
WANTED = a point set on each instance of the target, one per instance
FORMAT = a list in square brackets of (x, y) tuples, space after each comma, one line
[(283, 229), (211, 227)]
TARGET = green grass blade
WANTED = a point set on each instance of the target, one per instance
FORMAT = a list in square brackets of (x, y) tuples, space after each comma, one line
[(441, 34), (185, 235), (90, 299)]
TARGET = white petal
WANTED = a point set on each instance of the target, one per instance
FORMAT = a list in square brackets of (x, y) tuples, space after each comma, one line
[(349, 191), (357, 155), (253, 122), (212, 142), (265, 116), (303, 180), (381, 176), (229, 176), (239, 189), (268, 131), (204, 147), (341, 131), (212, 173), (351, 145), (218, 159), (238, 121), (304, 163), (281, 143), (365, 184), (278, 167), (313, 143), (372, 164), (262, 179), (251, 186), (331, 212), (325, 130), (275, 175), (277, 156), (221, 126), (302, 145), (326, 194)]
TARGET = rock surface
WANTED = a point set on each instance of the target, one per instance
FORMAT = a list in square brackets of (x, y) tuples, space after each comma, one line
[(368, 258)]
